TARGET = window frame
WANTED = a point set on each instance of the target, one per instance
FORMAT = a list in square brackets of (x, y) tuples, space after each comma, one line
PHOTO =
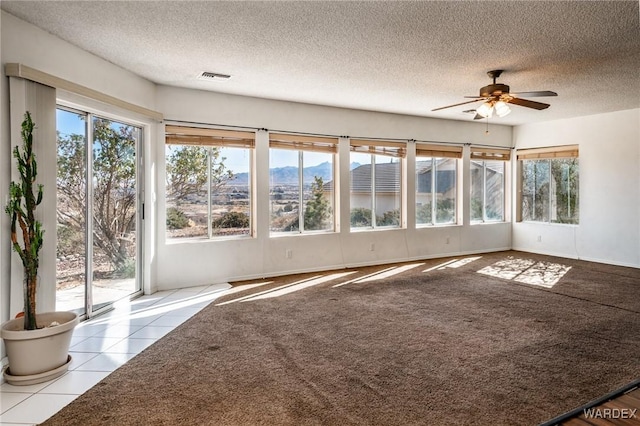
[(377, 149), (209, 138), (548, 154), (301, 144), (482, 155), (435, 153)]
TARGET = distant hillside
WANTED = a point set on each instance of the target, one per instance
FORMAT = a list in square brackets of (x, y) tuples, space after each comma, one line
[(289, 175)]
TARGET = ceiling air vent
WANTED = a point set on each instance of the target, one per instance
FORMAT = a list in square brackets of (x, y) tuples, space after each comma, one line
[(206, 75)]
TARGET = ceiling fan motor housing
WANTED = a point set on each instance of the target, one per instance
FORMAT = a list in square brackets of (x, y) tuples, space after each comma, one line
[(494, 90)]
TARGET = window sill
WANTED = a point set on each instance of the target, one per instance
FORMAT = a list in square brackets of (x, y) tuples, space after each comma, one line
[(533, 222), (299, 234), (198, 240), (381, 228), (488, 222), (435, 225)]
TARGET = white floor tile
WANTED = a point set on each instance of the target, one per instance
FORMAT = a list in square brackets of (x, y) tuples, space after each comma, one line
[(75, 382), (89, 329), (79, 358), (106, 362), (151, 332), (184, 312), (188, 291), (169, 321), (95, 344), (77, 339), (131, 346), (10, 399), (6, 387), (140, 319), (37, 408), (120, 330)]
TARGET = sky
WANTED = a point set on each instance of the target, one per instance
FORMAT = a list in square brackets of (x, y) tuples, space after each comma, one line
[(236, 159)]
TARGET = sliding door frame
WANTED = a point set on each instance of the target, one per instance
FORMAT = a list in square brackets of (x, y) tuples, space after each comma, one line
[(141, 129)]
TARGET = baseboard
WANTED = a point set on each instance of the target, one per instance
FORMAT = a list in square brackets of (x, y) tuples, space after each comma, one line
[(363, 264), (586, 259), (610, 262)]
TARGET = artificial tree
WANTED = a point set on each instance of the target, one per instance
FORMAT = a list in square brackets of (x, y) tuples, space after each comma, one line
[(23, 200)]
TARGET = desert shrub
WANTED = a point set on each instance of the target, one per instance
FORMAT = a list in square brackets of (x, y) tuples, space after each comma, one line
[(232, 220), (176, 219), (389, 218), (69, 239), (360, 216), (126, 270)]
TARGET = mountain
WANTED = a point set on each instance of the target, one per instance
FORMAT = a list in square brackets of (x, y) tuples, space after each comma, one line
[(289, 175)]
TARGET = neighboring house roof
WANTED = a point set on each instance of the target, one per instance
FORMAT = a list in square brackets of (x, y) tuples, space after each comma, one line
[(388, 178), (445, 180)]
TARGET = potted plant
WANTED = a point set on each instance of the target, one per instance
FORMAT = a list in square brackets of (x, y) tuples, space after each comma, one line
[(37, 345)]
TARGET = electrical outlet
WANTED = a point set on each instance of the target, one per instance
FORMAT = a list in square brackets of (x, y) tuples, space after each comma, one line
[(448, 240), (288, 253), (539, 238), (372, 247)]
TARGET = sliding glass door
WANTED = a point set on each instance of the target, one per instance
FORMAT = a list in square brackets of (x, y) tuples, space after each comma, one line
[(99, 191)]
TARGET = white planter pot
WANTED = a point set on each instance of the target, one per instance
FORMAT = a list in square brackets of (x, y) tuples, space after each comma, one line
[(39, 355)]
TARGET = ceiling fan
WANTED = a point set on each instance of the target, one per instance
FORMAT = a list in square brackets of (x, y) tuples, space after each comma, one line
[(496, 96)]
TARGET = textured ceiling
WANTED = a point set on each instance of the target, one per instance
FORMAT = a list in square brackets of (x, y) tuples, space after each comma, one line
[(401, 57)]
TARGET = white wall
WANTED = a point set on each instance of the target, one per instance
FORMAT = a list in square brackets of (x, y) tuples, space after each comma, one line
[(190, 263), (609, 229), (26, 44)]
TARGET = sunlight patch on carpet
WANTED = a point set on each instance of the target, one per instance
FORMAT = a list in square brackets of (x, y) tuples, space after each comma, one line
[(298, 287), (240, 299), (389, 273), (453, 263), (527, 271), (355, 280), (379, 275)]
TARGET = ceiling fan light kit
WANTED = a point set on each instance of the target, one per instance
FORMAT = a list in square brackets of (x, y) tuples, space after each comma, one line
[(502, 108), (485, 110), (496, 96)]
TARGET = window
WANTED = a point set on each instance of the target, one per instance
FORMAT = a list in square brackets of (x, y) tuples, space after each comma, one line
[(301, 177), (487, 183), (549, 179), (376, 182), (208, 183), (436, 184)]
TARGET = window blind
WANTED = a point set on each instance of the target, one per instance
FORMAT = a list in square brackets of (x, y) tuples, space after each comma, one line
[(430, 150), (202, 136), (484, 153), (387, 148), (303, 142), (565, 151)]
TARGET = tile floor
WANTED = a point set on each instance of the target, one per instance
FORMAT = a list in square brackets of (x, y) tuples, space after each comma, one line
[(101, 345)]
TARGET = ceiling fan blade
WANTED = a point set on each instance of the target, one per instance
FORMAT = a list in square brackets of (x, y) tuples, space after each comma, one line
[(478, 117), (461, 103), (528, 104), (536, 94)]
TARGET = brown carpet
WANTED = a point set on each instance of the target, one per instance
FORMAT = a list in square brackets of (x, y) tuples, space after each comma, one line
[(450, 346)]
